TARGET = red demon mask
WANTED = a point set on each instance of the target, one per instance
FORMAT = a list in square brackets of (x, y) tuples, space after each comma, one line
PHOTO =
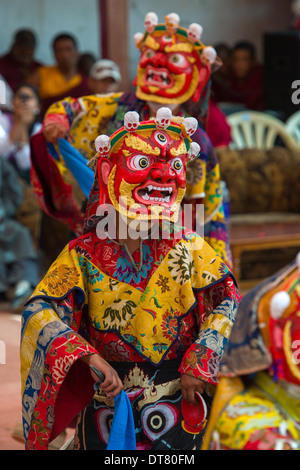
[(174, 65), (142, 166)]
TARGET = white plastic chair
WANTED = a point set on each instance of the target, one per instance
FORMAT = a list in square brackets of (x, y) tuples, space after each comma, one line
[(253, 129), (293, 126)]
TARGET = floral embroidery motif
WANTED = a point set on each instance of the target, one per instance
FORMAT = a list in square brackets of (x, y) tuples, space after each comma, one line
[(61, 367), (223, 269), (92, 273), (118, 311), (82, 251), (169, 324), (163, 282), (181, 264), (61, 279), (125, 271)]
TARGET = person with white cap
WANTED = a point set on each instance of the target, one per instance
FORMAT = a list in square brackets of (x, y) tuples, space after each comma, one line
[(104, 77)]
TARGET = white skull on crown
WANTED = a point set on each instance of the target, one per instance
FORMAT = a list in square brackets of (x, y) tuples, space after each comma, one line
[(194, 150), (137, 39), (195, 31), (131, 121), (163, 117), (191, 125), (279, 303), (150, 21), (102, 144), (209, 54), (173, 21)]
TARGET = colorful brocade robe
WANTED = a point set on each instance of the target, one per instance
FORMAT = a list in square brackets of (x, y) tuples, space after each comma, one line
[(178, 309), (86, 118)]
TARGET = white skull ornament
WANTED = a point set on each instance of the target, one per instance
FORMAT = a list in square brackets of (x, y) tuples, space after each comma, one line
[(191, 125), (195, 31), (137, 39), (150, 21), (209, 54), (279, 302), (194, 150), (131, 121), (102, 144), (173, 21), (163, 117)]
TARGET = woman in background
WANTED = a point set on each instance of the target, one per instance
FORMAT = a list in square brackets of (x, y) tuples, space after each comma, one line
[(17, 127)]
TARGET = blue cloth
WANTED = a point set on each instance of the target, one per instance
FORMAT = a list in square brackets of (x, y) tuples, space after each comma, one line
[(122, 432), (77, 164)]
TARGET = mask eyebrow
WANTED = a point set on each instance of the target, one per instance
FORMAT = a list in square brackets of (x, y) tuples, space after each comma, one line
[(179, 47), (180, 150), (134, 142), (150, 42)]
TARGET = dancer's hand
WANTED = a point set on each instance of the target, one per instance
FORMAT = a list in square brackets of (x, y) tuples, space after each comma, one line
[(54, 131), (190, 385), (112, 384)]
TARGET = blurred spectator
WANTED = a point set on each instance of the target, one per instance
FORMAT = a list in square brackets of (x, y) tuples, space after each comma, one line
[(55, 82), (247, 76), (17, 127), (295, 7), (105, 77), (245, 84), (17, 64), (85, 62), (18, 259)]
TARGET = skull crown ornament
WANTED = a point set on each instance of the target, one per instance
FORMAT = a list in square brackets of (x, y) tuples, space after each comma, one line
[(163, 117), (131, 121)]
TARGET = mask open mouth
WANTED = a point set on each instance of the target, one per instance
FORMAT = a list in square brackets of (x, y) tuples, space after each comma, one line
[(154, 193), (158, 77)]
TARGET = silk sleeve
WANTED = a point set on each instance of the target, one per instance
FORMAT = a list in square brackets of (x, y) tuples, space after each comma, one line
[(215, 313)]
